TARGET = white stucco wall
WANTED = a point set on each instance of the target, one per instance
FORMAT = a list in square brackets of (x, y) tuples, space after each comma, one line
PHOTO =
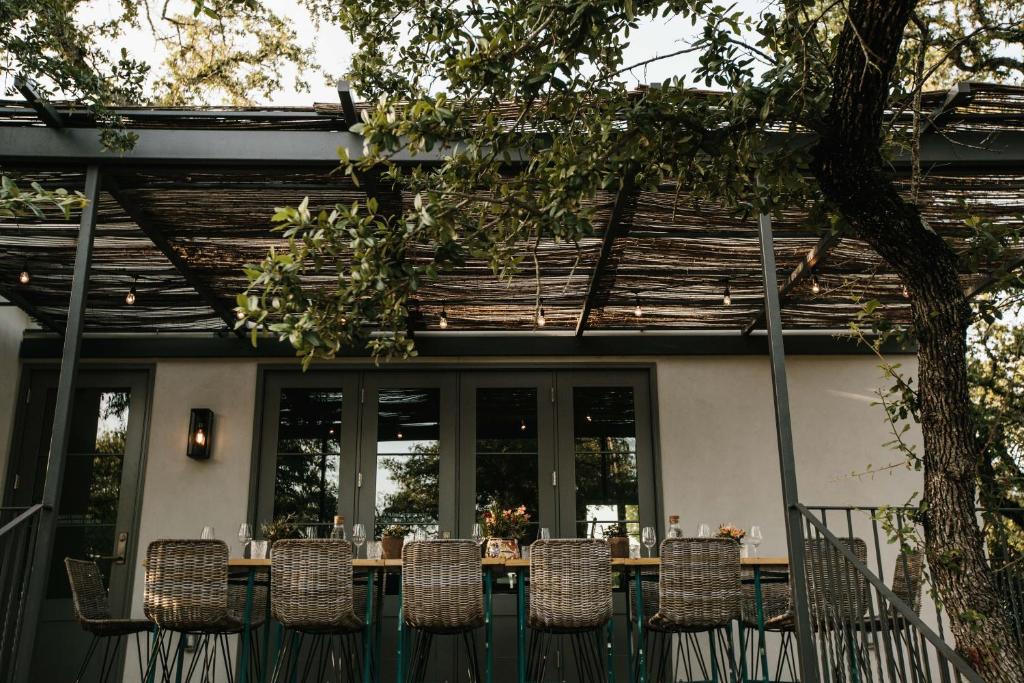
[(12, 327)]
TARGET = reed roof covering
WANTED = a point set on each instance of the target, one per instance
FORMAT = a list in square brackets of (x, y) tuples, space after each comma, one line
[(182, 233)]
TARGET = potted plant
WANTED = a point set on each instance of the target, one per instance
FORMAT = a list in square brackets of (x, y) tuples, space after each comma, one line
[(503, 528), (275, 529), (618, 539), (392, 538)]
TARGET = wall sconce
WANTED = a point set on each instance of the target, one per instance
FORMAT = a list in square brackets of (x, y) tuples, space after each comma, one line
[(200, 434)]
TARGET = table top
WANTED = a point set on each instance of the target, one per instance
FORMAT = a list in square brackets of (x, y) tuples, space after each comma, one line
[(499, 562)]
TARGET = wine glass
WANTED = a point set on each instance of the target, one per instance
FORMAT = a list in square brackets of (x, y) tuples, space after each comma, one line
[(649, 538), (545, 533), (755, 537), (244, 536), (704, 531), (208, 533), (478, 534), (358, 536), (310, 531)]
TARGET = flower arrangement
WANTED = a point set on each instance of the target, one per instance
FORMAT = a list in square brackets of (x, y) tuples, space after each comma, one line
[(286, 526), (730, 531), (501, 522), (395, 531), (616, 530)]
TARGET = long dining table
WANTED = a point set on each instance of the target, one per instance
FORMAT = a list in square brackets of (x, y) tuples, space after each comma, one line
[(633, 568)]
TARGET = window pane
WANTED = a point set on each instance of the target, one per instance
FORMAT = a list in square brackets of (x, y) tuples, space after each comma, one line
[(506, 445), (408, 460), (92, 482), (604, 424), (308, 455)]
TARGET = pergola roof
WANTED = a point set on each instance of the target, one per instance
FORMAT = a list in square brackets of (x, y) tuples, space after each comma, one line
[(190, 205)]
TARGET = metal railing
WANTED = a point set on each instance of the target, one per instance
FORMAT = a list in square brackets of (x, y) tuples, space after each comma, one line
[(17, 545), (867, 628)]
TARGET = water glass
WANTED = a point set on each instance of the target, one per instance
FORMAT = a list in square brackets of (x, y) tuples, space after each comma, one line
[(259, 550), (373, 550), (208, 533), (545, 533), (649, 537), (478, 534), (358, 536), (704, 531), (755, 537), (310, 531)]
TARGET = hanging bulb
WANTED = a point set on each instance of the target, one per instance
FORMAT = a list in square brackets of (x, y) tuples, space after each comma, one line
[(727, 296), (240, 314), (24, 277), (399, 435), (589, 419), (129, 298), (540, 317), (444, 319), (906, 292), (638, 311), (522, 425), (815, 285)]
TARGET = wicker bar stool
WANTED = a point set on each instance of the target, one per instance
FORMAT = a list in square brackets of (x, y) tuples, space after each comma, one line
[(838, 600), (442, 595), (186, 593), (92, 611), (570, 598), (311, 596), (698, 592)]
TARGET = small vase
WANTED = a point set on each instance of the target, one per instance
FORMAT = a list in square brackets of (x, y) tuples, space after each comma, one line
[(503, 548), (619, 546)]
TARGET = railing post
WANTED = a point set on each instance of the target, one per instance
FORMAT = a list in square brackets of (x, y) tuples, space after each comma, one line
[(787, 463), (47, 528)]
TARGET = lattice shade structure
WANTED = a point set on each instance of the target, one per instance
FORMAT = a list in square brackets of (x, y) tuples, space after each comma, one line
[(186, 228)]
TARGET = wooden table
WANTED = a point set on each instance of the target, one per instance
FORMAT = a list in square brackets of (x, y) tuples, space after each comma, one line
[(632, 566)]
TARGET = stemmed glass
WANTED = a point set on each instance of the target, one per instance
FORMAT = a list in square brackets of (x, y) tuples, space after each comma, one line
[(649, 538), (545, 533), (358, 536), (755, 537), (245, 536), (704, 531), (478, 534), (310, 531), (208, 533)]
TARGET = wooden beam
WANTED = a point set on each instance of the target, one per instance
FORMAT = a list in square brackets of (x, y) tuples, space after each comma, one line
[(209, 297), (618, 225), (44, 319), (348, 106), (44, 110), (803, 270)]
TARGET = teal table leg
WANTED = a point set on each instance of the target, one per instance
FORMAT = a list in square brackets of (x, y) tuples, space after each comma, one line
[(368, 628), (489, 628), (243, 674), (629, 625), (521, 625), (641, 653), (762, 651), (400, 655), (265, 666), (610, 650)]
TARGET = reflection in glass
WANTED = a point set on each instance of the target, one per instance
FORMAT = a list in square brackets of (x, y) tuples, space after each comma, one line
[(92, 482), (408, 461), (604, 430), (308, 455), (506, 450)]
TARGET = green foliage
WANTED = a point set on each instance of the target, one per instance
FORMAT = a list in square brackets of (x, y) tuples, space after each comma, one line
[(15, 202)]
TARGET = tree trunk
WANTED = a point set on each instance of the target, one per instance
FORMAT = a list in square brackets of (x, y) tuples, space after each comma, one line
[(850, 170)]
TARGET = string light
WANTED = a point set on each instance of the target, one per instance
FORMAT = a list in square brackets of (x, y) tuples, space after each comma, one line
[(815, 285), (522, 425), (240, 314), (638, 311), (540, 317), (129, 298), (399, 435), (24, 277), (727, 296), (906, 292), (444, 319)]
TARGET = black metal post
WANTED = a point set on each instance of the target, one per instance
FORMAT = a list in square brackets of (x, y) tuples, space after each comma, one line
[(61, 429), (787, 462)]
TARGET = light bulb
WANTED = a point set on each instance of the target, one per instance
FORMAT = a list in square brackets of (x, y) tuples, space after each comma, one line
[(200, 437), (906, 292), (638, 311), (727, 296), (24, 277), (522, 425), (444, 320), (129, 298), (240, 314), (815, 285), (398, 435), (540, 317)]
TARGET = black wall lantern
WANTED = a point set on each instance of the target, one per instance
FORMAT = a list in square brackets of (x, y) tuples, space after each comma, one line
[(200, 433)]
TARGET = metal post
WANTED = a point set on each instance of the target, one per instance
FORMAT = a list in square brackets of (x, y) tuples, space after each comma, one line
[(787, 463), (61, 427)]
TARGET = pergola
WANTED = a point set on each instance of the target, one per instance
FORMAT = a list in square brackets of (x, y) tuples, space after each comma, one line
[(182, 212)]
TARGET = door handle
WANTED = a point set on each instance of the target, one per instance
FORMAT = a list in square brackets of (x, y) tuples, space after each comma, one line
[(120, 551)]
